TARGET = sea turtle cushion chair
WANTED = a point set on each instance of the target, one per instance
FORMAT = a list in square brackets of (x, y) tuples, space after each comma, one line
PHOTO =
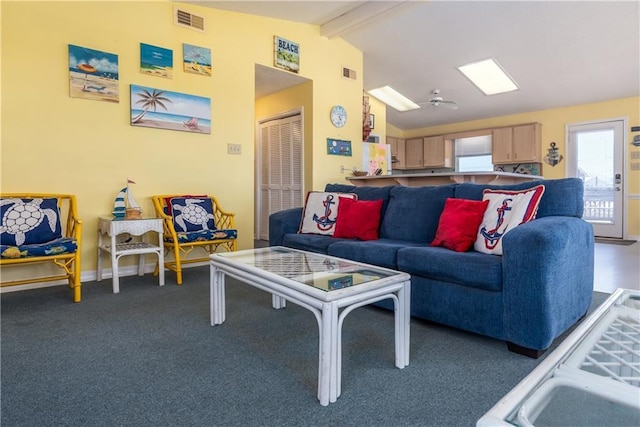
[(192, 223), (31, 231)]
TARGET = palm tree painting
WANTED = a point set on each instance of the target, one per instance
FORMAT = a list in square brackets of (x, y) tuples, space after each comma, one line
[(163, 109), (149, 100)]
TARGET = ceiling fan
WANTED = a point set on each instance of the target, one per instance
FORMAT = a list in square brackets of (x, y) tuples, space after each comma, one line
[(438, 101)]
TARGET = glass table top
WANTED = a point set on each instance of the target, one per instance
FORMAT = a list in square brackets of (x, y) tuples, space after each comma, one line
[(597, 382), (575, 406), (319, 271)]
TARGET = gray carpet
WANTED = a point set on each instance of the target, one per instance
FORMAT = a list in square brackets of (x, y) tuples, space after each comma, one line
[(148, 357)]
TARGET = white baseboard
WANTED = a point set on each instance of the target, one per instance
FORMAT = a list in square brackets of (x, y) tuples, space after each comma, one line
[(91, 276)]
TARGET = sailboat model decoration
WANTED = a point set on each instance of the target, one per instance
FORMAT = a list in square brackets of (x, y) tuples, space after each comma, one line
[(125, 205)]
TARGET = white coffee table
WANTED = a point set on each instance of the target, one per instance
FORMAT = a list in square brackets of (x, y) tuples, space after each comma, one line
[(329, 287), (591, 379)]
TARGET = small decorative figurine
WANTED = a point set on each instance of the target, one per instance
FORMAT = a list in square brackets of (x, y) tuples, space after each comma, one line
[(125, 205), (553, 156)]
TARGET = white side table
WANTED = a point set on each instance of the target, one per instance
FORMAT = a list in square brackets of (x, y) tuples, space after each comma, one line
[(112, 227)]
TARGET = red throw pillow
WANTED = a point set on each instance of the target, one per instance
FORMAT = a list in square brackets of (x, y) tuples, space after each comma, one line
[(358, 219), (459, 222)]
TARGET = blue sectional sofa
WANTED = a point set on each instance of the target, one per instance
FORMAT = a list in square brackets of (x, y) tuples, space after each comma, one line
[(536, 290)]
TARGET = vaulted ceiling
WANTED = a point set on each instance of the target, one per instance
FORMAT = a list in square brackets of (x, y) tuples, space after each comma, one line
[(559, 53)]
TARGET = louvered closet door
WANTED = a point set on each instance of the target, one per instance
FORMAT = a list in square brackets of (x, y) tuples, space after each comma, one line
[(281, 169)]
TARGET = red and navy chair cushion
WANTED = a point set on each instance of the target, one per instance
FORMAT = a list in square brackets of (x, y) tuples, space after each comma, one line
[(65, 245), (204, 235)]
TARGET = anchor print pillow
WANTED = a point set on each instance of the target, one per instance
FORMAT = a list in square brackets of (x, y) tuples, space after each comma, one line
[(506, 210), (29, 221), (192, 214), (321, 212)]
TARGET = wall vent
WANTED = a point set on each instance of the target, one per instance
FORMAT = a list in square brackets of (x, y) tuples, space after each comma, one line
[(348, 74), (186, 19)]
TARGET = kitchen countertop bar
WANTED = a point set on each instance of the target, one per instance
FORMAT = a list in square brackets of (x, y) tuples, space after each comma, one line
[(441, 178)]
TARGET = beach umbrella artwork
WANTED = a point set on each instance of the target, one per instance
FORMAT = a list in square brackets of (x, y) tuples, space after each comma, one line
[(100, 70), (86, 69)]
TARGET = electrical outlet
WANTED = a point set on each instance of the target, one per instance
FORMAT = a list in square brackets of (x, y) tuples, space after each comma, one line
[(635, 166), (635, 154), (234, 149)]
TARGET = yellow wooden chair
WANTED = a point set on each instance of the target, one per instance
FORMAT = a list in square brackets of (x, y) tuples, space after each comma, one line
[(33, 231), (184, 220)]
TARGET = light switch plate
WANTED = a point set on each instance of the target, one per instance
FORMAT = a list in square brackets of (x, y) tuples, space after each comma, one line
[(635, 166), (635, 154), (234, 149)]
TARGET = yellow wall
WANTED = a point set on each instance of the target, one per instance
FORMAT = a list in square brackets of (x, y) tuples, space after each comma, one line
[(379, 109), (54, 143), (554, 123)]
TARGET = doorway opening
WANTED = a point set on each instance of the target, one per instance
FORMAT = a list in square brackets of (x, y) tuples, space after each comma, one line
[(279, 161)]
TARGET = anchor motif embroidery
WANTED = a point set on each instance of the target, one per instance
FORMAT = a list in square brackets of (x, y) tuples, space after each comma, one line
[(492, 236), (324, 222)]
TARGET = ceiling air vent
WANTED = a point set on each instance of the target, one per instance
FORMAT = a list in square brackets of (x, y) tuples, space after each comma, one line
[(348, 74), (190, 20)]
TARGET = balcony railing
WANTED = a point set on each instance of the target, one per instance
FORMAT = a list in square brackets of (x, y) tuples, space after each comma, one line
[(598, 204)]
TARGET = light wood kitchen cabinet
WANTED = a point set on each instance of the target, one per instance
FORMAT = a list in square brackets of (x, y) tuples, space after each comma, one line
[(527, 143), (437, 152), (419, 153), (517, 144), (397, 146), (414, 153), (501, 145), (393, 145), (520, 143)]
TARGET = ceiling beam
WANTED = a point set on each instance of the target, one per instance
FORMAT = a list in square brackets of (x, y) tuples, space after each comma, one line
[(361, 15)]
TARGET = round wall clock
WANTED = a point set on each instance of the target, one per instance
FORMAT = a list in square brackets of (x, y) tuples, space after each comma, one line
[(338, 116)]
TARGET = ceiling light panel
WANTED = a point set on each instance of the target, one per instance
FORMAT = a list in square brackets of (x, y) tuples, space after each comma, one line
[(394, 99), (489, 77)]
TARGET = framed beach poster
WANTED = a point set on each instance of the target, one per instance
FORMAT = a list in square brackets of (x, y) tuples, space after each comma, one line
[(93, 74), (163, 109), (156, 61), (196, 60), (286, 54)]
